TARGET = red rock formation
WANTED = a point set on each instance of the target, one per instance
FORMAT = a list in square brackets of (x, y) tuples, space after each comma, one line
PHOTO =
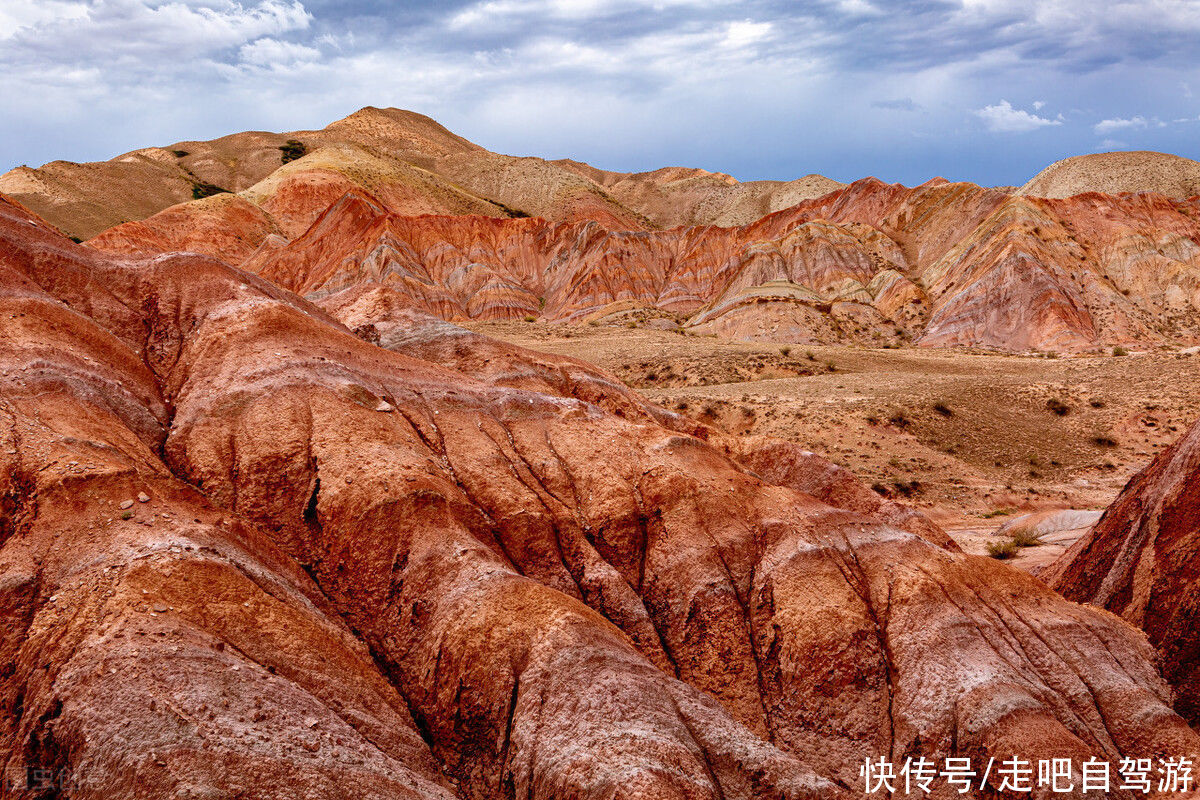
[(360, 573), (224, 226), (949, 264), (1142, 562)]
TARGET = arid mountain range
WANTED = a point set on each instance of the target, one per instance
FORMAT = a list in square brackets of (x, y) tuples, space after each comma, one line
[(258, 546), (1095, 251), (407, 161)]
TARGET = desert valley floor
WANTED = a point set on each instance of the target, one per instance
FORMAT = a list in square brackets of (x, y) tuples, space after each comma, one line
[(972, 438)]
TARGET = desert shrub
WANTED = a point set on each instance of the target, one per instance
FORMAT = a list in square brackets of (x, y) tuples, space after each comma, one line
[(1024, 536), (1120, 351), (179, 153), (942, 408), (1095, 403), (291, 150), (899, 419), (785, 351), (1002, 550), (879, 488), (200, 190), (1058, 406), (999, 512), (530, 318), (1104, 440)]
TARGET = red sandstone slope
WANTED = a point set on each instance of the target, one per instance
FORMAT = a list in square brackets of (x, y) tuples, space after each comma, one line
[(359, 573), (946, 264), (1142, 561)]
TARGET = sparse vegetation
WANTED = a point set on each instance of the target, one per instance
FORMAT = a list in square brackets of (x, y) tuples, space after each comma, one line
[(1058, 406), (1002, 550), (785, 351), (530, 318), (127, 515), (943, 408), (200, 190), (179, 153), (999, 512), (1104, 440), (1024, 536), (291, 150), (1120, 351)]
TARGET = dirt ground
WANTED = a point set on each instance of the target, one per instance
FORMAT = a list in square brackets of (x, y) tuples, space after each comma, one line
[(972, 438)]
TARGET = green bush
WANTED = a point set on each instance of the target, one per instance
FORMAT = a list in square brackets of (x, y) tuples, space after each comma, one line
[(291, 150), (1025, 537), (1002, 550), (201, 190)]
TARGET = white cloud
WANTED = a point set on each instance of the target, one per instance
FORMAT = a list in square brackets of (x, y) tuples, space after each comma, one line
[(1002, 117), (745, 33), (858, 8), (109, 30), (487, 15), (268, 51), (1116, 124), (18, 14)]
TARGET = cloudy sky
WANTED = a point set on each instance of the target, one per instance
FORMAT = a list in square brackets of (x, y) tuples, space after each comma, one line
[(982, 90)]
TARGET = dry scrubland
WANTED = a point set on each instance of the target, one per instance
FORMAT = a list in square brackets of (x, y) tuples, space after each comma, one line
[(973, 438)]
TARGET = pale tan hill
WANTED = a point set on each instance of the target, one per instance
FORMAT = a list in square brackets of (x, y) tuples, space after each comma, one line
[(1114, 173), (684, 196), (432, 170), (85, 199), (288, 201), (445, 173)]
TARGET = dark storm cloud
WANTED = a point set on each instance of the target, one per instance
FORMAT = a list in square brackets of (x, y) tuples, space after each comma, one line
[(759, 89)]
